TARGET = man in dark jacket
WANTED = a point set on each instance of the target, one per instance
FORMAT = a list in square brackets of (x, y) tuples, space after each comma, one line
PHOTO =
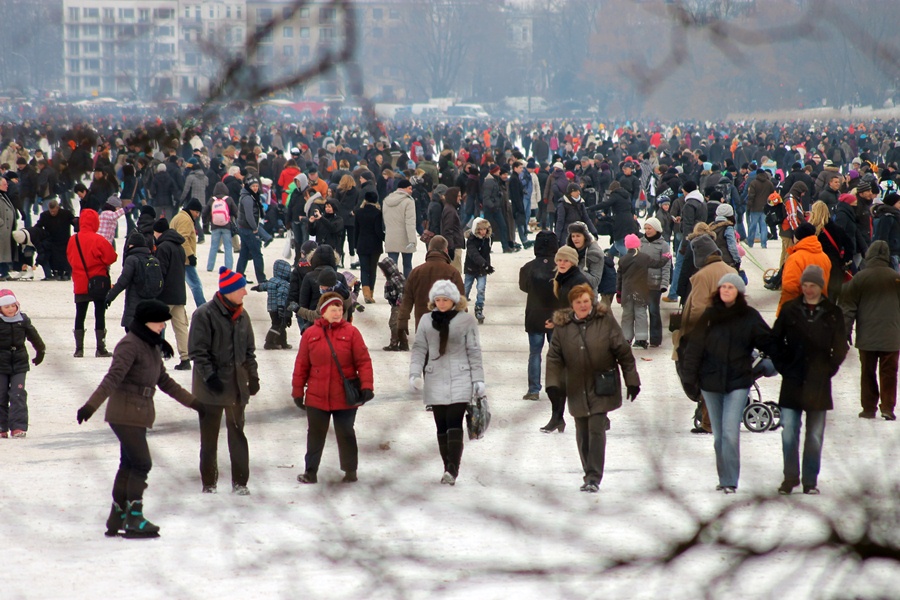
[(451, 228), (57, 223), (872, 300), (536, 280), (492, 201), (758, 192), (225, 375), (171, 256), (437, 266)]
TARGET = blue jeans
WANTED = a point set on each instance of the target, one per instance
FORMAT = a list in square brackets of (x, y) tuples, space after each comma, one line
[(756, 225), (726, 412), (220, 236), (480, 285), (676, 273), (250, 247), (812, 445), (407, 261), (535, 349), (618, 248), (193, 282)]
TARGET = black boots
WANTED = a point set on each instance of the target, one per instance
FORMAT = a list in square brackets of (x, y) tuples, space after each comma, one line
[(454, 455), (79, 343), (136, 526), (101, 352), (116, 520), (557, 421)]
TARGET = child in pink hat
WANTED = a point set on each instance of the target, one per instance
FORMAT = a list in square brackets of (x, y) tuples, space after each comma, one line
[(15, 328), (633, 290)]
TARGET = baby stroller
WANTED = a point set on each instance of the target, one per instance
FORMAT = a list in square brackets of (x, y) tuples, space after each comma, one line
[(758, 416)]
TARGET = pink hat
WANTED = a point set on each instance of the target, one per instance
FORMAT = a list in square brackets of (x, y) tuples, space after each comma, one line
[(632, 241), (7, 297)]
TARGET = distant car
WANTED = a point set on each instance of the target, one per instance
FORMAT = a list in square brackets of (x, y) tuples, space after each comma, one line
[(467, 111)]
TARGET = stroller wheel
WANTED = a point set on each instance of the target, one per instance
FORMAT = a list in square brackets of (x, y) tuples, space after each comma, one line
[(776, 415), (769, 274), (757, 417)]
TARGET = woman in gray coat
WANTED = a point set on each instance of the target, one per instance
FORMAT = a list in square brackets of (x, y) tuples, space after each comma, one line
[(587, 352), (447, 338), (590, 255)]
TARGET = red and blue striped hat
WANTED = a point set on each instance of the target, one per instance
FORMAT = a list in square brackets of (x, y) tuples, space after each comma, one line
[(229, 281)]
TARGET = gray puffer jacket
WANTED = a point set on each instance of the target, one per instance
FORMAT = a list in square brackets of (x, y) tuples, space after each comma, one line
[(657, 277), (449, 377)]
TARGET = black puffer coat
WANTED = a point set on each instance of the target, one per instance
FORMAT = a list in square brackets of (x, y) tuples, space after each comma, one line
[(536, 280), (719, 351), (619, 203), (13, 354), (171, 258), (811, 348), (130, 281)]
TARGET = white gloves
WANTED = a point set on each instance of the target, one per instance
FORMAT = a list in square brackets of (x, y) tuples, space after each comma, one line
[(416, 383), (478, 389), (410, 248)]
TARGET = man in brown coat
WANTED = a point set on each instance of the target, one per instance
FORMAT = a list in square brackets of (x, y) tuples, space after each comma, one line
[(437, 266)]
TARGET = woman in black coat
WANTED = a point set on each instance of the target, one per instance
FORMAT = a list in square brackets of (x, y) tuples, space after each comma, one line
[(719, 358), (328, 227), (619, 204), (130, 280), (369, 242), (536, 280), (835, 244), (812, 344), (348, 200)]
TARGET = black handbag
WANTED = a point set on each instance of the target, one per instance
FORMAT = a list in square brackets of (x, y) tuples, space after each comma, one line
[(606, 383), (352, 391), (674, 321), (98, 285)]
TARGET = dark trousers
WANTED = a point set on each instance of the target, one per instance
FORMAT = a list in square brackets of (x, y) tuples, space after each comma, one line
[(300, 236), (368, 269), (238, 451), (251, 248), (13, 403), (878, 380), (350, 234), (496, 217), (99, 314), (134, 464), (656, 328), (590, 435), (318, 421), (448, 416)]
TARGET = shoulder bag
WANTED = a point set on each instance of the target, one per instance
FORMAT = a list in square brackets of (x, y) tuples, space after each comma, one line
[(605, 382), (352, 391), (98, 285)]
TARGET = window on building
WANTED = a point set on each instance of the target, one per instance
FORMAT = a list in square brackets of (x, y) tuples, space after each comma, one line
[(227, 12), (109, 32), (165, 31), (196, 13), (304, 32), (387, 91), (92, 82), (191, 59), (163, 13), (91, 13), (126, 31), (91, 47), (238, 10), (73, 13), (303, 52), (126, 13), (74, 65), (326, 33), (72, 31), (304, 13), (109, 13), (265, 53), (73, 84), (72, 48), (377, 14), (287, 32), (395, 13), (90, 30), (143, 15), (327, 15), (212, 12), (377, 32), (165, 48), (187, 12), (286, 12), (91, 64), (263, 14), (288, 51)]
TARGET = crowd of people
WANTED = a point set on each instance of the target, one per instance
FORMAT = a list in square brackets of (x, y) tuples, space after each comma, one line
[(682, 206)]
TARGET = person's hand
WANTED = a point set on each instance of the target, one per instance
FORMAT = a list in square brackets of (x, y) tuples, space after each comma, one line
[(192, 260), (84, 413), (38, 358), (633, 391), (293, 307), (662, 290), (478, 388), (548, 324), (490, 270), (198, 406), (667, 255), (253, 386), (365, 396), (410, 248), (255, 231), (255, 288), (299, 402), (215, 385), (416, 383)]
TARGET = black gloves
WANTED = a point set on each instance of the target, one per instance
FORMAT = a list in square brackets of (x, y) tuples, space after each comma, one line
[(198, 406), (633, 391), (489, 270), (293, 307), (299, 402), (85, 413), (253, 386), (215, 384), (38, 358), (255, 288), (192, 260), (366, 395)]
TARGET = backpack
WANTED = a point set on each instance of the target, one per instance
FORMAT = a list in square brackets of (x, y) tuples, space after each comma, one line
[(151, 278), (221, 215)]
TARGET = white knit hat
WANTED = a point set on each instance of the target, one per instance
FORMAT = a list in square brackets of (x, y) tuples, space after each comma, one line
[(655, 224), (444, 288)]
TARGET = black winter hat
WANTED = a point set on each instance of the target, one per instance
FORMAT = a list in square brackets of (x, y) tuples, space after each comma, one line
[(805, 230), (161, 225), (327, 277), (137, 240), (148, 210), (151, 311), (194, 204)]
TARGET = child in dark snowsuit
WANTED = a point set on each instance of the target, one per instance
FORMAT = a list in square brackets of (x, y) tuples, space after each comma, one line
[(15, 329), (277, 287), (393, 293)]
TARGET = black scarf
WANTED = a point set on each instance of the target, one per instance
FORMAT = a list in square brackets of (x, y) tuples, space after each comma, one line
[(653, 238), (581, 251), (441, 322), (151, 337)]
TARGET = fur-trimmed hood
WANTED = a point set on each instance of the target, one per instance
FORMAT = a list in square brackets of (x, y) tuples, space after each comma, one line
[(460, 306), (485, 222), (580, 227), (564, 316)]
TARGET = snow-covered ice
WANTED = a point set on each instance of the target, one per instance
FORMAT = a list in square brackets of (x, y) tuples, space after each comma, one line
[(515, 525)]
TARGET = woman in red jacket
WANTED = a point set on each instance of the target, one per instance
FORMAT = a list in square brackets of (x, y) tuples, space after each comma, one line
[(319, 388), (93, 260)]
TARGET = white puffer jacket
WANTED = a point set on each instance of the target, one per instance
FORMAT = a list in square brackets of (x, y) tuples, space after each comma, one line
[(448, 378)]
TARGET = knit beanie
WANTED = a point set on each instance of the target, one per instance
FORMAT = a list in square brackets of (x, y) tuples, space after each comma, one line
[(152, 311), (655, 224), (161, 225), (230, 281), (114, 201), (847, 198), (703, 247), (813, 274), (567, 253), (328, 299), (444, 288), (632, 241), (735, 280), (804, 231), (725, 210), (7, 298), (308, 248), (193, 204), (327, 277)]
